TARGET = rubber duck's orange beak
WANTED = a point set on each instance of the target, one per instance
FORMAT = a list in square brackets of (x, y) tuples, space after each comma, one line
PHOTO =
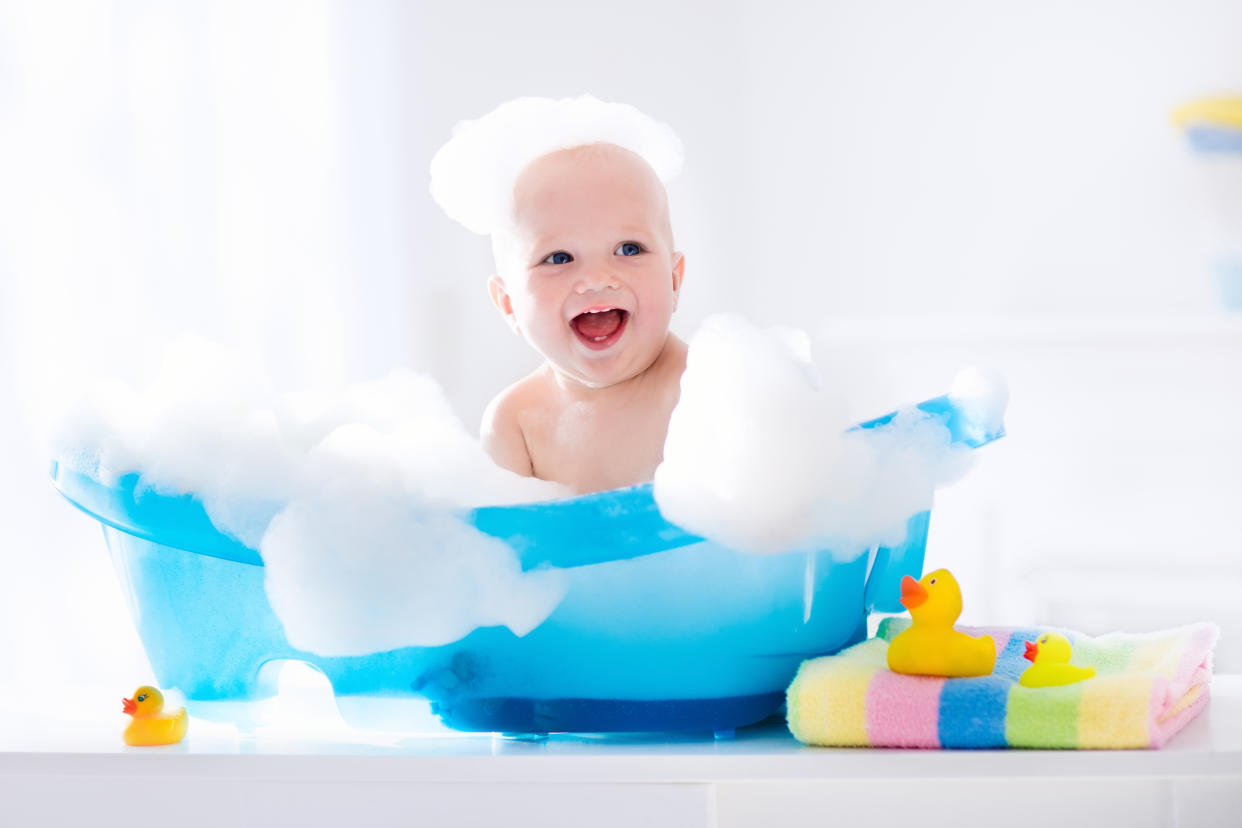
[(1032, 650), (129, 706), (913, 594)]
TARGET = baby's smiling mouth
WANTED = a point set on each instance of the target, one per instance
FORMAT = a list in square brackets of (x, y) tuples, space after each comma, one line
[(599, 328)]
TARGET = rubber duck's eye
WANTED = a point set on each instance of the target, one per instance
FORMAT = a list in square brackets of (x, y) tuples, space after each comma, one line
[(1043, 640), (932, 581), (143, 697)]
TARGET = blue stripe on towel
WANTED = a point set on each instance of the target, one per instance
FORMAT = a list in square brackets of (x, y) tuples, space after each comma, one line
[(1011, 663), (972, 712)]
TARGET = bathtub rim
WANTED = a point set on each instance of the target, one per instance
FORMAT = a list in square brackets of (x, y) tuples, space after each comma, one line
[(182, 521)]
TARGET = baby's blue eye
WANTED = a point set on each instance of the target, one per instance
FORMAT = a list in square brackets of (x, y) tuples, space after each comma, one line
[(630, 246), (568, 258)]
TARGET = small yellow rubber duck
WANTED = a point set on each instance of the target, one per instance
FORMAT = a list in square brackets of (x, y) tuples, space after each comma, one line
[(1050, 667), (151, 725), (931, 647)]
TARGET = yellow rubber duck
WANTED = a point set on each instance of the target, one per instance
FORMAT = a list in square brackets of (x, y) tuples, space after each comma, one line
[(1050, 667), (151, 725), (931, 647)]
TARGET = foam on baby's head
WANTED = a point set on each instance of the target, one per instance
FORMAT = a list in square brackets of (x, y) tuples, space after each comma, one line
[(473, 175)]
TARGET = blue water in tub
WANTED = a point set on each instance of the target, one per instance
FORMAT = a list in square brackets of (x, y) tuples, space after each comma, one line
[(660, 629)]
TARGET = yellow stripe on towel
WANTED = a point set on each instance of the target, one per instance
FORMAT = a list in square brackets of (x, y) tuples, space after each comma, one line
[(1157, 653), (1114, 711), (828, 699)]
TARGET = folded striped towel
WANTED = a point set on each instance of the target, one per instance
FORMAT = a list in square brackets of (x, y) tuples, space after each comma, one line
[(1146, 688)]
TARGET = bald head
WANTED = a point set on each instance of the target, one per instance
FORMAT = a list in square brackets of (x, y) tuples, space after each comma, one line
[(575, 191)]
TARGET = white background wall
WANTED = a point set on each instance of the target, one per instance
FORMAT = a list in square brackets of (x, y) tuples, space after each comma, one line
[(920, 185)]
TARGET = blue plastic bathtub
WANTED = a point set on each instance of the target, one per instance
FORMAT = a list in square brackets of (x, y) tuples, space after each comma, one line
[(660, 630)]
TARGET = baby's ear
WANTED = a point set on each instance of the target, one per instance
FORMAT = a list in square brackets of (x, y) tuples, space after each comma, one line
[(679, 273), (500, 298)]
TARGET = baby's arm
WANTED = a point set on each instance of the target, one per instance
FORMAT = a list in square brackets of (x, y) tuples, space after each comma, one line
[(501, 434)]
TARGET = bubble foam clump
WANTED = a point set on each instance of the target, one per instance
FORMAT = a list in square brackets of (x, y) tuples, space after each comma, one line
[(350, 496), (361, 562), (758, 457), (982, 395), (473, 174), (752, 439)]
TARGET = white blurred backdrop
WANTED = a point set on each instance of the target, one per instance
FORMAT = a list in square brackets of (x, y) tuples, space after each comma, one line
[(921, 186)]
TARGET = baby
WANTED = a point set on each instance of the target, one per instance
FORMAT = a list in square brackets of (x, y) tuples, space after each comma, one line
[(589, 277)]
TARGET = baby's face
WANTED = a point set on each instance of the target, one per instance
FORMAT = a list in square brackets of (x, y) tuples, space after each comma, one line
[(590, 278)]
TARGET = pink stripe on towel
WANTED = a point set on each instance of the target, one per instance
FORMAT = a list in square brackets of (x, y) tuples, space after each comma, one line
[(1178, 700), (1000, 636), (1163, 727), (904, 711)]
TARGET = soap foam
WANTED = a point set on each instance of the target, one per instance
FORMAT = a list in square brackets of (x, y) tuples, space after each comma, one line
[(473, 174), (350, 496), (758, 457), (982, 395)]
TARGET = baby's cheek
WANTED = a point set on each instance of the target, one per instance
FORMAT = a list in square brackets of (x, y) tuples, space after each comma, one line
[(528, 311)]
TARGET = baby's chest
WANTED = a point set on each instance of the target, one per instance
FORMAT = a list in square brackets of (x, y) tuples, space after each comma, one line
[(595, 448)]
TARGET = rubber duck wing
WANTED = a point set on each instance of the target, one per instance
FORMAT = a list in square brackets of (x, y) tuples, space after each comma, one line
[(175, 725)]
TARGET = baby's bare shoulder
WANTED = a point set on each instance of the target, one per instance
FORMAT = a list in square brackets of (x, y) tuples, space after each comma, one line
[(501, 430), (522, 396)]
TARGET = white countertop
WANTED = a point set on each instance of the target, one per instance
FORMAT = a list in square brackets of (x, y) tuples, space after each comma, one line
[(61, 770)]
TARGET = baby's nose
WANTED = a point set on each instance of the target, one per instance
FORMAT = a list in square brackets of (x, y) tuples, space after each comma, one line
[(597, 280)]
